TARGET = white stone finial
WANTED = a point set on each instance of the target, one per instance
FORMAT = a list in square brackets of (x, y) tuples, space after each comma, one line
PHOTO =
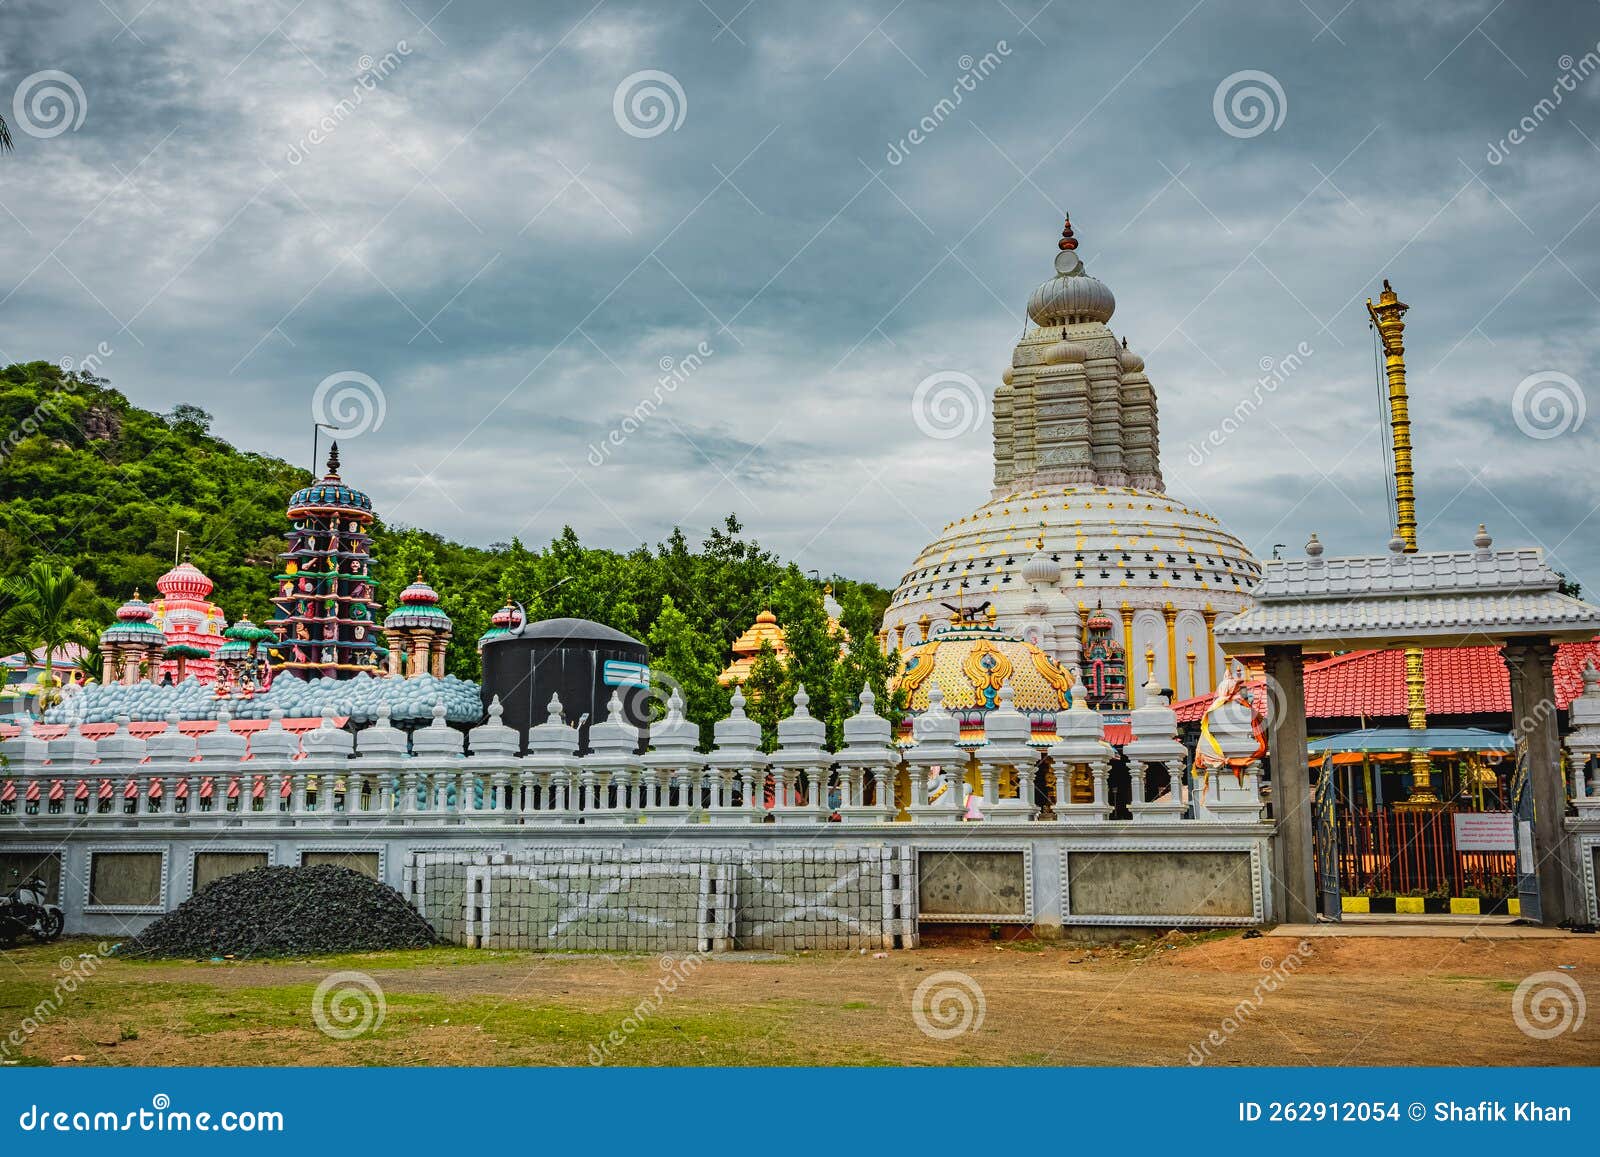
[(224, 716), (737, 702), (674, 706), (1152, 692), (935, 698), (867, 701), (553, 709), (614, 709), (438, 714), (1482, 541), (801, 701), (1591, 678), (1397, 545), (383, 713), (1314, 548), (1006, 696), (495, 710)]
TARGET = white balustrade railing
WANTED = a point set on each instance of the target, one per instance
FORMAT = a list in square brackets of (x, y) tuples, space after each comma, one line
[(440, 775)]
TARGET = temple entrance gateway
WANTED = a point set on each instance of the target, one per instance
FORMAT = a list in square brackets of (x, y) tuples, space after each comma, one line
[(1510, 598)]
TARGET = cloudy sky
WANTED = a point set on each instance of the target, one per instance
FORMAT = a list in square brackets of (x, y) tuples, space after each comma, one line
[(485, 211)]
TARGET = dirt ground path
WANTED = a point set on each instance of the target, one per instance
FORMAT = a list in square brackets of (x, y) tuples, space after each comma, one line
[(1216, 999)]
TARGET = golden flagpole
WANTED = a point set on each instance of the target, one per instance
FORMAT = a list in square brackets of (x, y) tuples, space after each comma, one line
[(1389, 318)]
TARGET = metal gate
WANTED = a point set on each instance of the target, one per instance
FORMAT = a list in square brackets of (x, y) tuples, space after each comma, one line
[(1324, 805), (1527, 863)]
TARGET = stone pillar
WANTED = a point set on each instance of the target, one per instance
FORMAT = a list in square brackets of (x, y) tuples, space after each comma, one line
[(1530, 663), (1296, 897)]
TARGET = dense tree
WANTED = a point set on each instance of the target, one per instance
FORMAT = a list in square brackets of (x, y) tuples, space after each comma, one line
[(96, 483), (684, 659)]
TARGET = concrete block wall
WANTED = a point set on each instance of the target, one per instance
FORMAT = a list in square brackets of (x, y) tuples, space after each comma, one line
[(677, 900), (831, 898)]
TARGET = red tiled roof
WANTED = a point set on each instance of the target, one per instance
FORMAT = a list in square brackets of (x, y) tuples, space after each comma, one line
[(1457, 681), (1119, 734)]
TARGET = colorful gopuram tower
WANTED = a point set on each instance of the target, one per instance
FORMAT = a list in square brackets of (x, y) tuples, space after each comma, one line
[(326, 618), (1105, 668), (186, 615)]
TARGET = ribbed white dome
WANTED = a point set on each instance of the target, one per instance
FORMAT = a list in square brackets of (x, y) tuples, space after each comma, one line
[(1041, 568), (1063, 352), (1070, 299)]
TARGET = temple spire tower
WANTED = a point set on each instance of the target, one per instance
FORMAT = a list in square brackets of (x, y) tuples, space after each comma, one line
[(1078, 517), (1388, 317), (325, 605), (1075, 407)]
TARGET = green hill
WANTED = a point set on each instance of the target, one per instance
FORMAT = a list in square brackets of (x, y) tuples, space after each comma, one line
[(92, 480)]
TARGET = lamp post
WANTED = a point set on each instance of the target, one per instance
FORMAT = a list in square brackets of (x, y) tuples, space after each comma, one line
[(316, 433)]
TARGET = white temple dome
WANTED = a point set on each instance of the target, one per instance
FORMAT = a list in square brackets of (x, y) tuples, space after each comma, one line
[(1071, 299), (1041, 568)]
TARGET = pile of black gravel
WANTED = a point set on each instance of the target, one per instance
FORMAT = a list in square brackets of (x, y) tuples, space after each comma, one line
[(285, 912)]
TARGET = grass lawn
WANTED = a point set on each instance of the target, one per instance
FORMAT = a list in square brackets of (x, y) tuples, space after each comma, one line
[(1350, 1001)]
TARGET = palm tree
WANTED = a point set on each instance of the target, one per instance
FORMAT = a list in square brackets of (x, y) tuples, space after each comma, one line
[(39, 613), (91, 660)]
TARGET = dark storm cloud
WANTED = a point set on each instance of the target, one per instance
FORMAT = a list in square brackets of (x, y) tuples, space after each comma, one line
[(740, 308)]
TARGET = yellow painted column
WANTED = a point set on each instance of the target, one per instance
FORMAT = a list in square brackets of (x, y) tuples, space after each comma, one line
[(1129, 672), (1171, 614), (1210, 617)]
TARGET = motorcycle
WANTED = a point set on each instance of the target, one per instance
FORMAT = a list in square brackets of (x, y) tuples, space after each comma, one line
[(24, 911)]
